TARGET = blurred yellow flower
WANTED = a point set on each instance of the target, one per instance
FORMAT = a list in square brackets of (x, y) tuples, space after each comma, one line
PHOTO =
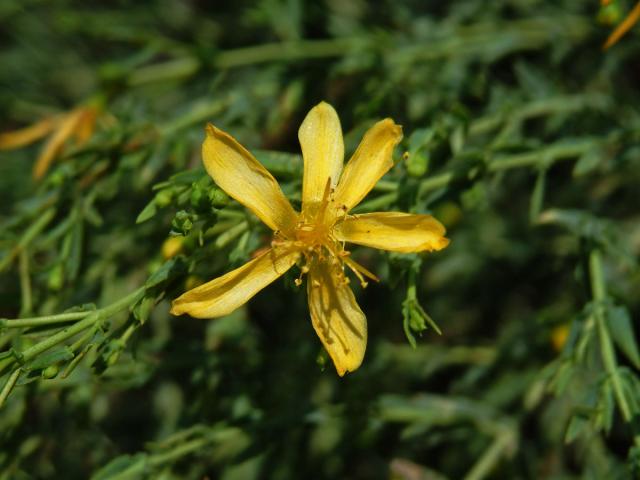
[(172, 246), (559, 336), (316, 236), (79, 123)]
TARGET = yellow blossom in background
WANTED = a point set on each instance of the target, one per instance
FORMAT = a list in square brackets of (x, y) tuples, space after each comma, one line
[(559, 336), (315, 238), (172, 246), (78, 124)]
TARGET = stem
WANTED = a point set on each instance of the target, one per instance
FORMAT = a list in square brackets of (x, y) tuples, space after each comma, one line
[(39, 321), (199, 114), (377, 203), (606, 345), (76, 328), (285, 51), (179, 451), (25, 283), (537, 108), (490, 457), (545, 155), (31, 233), (175, 69), (229, 235), (6, 390), (159, 459)]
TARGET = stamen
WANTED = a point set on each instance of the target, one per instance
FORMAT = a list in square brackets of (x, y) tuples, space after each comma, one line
[(359, 271)]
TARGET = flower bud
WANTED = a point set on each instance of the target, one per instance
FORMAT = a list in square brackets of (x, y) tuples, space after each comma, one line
[(218, 198), (182, 223)]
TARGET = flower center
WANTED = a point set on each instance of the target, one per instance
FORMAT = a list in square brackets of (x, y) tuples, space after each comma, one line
[(313, 238)]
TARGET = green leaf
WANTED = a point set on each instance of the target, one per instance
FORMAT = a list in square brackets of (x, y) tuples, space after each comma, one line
[(606, 407), (124, 467), (187, 177), (623, 334), (143, 308), (587, 163), (537, 197), (56, 356), (168, 269), (147, 212), (577, 426)]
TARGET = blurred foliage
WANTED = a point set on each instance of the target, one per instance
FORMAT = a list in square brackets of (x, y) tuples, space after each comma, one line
[(521, 135)]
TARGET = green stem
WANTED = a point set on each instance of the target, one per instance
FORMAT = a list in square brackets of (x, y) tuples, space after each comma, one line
[(200, 113), (76, 328), (159, 459), (488, 461), (25, 283), (8, 386), (545, 155), (179, 451), (175, 69), (538, 108), (285, 51), (229, 235), (606, 345), (32, 232), (40, 321), (377, 203)]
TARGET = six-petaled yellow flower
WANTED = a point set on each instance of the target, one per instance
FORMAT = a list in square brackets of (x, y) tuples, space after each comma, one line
[(315, 238)]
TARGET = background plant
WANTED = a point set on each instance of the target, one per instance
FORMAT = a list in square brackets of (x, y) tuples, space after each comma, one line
[(521, 135)]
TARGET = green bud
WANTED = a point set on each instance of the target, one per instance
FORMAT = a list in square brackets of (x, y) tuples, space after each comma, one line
[(218, 198), (56, 178), (416, 321), (113, 358), (50, 372), (55, 279), (163, 197), (609, 14), (199, 198), (417, 164), (182, 223)]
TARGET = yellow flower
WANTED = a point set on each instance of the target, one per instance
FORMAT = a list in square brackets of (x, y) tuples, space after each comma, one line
[(78, 123), (315, 237)]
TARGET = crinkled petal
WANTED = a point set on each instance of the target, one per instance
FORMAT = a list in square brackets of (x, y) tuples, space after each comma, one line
[(394, 231), (27, 135), (86, 125), (239, 174), (55, 144), (322, 145), (224, 294), (336, 317), (371, 160)]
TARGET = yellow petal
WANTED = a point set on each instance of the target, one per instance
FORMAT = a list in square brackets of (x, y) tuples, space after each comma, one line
[(336, 317), (239, 174), (224, 294), (27, 135), (86, 125), (322, 145), (395, 231), (54, 146), (372, 159)]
